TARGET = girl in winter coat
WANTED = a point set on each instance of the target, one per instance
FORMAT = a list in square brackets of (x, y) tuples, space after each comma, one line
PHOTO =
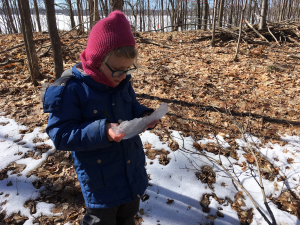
[(83, 106)]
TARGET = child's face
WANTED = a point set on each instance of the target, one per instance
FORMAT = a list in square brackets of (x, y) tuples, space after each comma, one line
[(116, 63)]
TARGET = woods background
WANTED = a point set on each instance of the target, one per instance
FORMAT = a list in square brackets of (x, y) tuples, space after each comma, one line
[(188, 62)]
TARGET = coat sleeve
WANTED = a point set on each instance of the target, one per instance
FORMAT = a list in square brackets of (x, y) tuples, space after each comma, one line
[(68, 132), (138, 109)]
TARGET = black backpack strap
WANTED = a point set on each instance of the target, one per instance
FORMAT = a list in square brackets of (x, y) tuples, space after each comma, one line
[(63, 80), (52, 102)]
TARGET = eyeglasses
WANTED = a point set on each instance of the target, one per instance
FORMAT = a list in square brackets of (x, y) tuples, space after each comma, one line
[(118, 73)]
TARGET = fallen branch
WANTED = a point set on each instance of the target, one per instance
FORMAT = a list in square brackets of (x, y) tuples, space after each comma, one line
[(294, 56), (273, 35), (12, 61), (76, 39), (293, 40), (46, 52), (147, 41), (261, 36)]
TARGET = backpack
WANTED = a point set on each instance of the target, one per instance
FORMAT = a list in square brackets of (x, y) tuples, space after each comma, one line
[(52, 102)]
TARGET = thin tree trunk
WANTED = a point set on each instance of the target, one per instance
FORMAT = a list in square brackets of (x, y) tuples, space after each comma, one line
[(206, 14), (162, 16), (116, 5), (221, 9), (254, 8), (249, 11), (8, 11), (37, 14), (15, 12), (69, 2), (263, 15), (289, 13), (240, 32), (54, 37), (172, 14), (80, 16), (144, 25), (28, 40), (214, 24), (199, 14), (148, 13), (141, 21), (105, 7), (91, 12), (96, 11)]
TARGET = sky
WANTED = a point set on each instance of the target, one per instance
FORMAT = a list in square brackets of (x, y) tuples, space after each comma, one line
[(174, 191)]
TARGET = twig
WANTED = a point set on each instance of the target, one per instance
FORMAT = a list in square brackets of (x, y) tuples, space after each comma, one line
[(151, 42), (260, 35), (272, 35), (240, 32), (293, 40), (46, 52), (12, 61)]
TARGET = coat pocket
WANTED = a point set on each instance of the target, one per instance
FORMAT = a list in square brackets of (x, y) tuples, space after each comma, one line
[(100, 167)]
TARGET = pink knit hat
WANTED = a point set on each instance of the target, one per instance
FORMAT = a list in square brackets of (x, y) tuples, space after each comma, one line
[(109, 33)]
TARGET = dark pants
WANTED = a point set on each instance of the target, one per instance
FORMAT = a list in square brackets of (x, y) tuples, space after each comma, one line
[(118, 215)]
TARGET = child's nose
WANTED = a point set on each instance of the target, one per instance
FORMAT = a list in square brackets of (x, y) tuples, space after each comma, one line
[(123, 76)]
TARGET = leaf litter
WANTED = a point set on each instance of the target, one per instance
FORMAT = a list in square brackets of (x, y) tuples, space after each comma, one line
[(203, 87)]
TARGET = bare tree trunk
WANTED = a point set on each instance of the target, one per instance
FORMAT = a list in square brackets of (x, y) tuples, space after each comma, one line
[(8, 11), (116, 5), (28, 40), (162, 16), (96, 11), (80, 16), (69, 3), (54, 37), (140, 15), (263, 15), (172, 3), (105, 7), (91, 12), (185, 15), (237, 13), (249, 11), (289, 12), (206, 14), (143, 13), (221, 9), (181, 17), (148, 14), (199, 14), (240, 32), (254, 8), (231, 14), (37, 14), (214, 24), (17, 19)]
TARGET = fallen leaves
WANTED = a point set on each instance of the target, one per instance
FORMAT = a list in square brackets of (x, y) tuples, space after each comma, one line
[(207, 175), (170, 201), (289, 202), (198, 83)]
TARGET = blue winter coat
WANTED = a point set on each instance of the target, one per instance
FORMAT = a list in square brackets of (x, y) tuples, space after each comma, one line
[(110, 173)]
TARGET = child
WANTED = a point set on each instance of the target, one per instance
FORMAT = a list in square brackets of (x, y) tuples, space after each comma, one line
[(82, 109)]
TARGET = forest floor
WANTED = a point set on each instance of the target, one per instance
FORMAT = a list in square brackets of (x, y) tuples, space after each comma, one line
[(204, 88)]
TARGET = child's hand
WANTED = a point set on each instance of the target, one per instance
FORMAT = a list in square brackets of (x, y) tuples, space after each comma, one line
[(110, 134), (153, 124)]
